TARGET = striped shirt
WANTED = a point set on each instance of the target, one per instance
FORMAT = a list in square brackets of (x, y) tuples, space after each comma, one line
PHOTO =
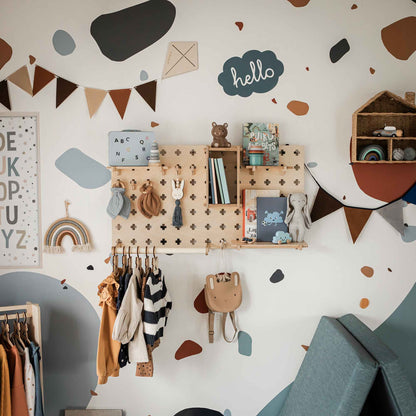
[(156, 305)]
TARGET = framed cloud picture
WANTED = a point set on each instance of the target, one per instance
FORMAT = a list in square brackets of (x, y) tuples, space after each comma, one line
[(20, 239)]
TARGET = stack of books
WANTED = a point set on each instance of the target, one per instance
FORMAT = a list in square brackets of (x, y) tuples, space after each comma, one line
[(218, 188)]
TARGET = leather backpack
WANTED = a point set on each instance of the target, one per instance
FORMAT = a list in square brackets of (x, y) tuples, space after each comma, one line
[(223, 294)]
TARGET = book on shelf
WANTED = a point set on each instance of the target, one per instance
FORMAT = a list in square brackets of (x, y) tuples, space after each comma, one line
[(214, 192), (250, 209), (219, 182), (265, 135), (271, 213), (211, 192), (223, 181), (218, 186)]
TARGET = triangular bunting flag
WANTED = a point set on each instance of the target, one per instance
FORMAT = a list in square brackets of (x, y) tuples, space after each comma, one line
[(94, 99), (356, 219), (41, 79), (148, 93), (393, 214), (21, 79), (64, 89), (120, 99), (4, 94), (324, 205), (410, 195)]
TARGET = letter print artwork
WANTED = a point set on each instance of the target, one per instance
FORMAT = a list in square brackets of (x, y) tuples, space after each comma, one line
[(255, 71), (19, 191)]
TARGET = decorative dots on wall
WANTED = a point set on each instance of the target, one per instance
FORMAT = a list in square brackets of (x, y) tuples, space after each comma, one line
[(298, 108), (200, 304), (244, 344), (311, 164), (240, 25), (227, 412), (198, 411), (32, 59), (339, 50), (6, 52), (63, 42), (364, 302), (354, 7), (367, 271), (187, 349), (372, 70), (93, 393), (299, 3), (90, 267), (277, 276), (389, 269), (399, 38), (154, 124), (274, 101), (305, 347), (143, 75)]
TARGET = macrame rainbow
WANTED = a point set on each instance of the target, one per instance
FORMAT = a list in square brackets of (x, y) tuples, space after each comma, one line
[(63, 227)]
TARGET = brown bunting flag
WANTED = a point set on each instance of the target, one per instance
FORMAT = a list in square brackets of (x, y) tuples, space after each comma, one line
[(64, 89), (148, 93), (356, 218)]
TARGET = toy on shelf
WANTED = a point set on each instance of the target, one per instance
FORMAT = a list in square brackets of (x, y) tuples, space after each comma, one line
[(177, 194), (154, 155), (409, 153), (281, 238), (255, 154), (372, 153), (219, 133), (297, 216), (388, 131), (398, 154), (264, 136), (119, 203), (149, 203)]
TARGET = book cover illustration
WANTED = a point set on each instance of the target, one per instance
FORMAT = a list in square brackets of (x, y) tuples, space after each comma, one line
[(271, 213), (250, 209), (265, 135)]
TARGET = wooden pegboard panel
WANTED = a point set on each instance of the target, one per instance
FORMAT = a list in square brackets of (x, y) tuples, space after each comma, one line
[(202, 223)]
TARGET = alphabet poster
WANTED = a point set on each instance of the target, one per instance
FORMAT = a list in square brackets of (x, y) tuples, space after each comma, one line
[(20, 244)]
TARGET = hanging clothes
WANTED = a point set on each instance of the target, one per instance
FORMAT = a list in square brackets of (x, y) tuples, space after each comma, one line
[(17, 391), (128, 327), (30, 383), (123, 356), (35, 360), (157, 304), (5, 396), (108, 349)]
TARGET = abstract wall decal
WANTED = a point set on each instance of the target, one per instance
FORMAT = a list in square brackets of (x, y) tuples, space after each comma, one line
[(372, 70), (4, 94), (181, 57), (41, 78), (339, 50), (123, 33), (277, 276), (143, 75), (120, 99), (298, 108), (94, 99), (82, 169), (148, 93), (244, 344), (384, 182), (274, 407), (274, 101), (305, 347), (68, 332), (354, 7), (409, 233), (154, 124), (389, 269), (200, 304), (410, 195), (240, 25), (399, 38), (393, 214), (6, 53), (21, 79), (367, 271), (198, 411), (307, 68), (227, 412), (187, 349), (299, 3), (93, 393), (64, 89), (364, 302), (311, 165), (20, 241), (63, 42), (255, 71), (32, 59), (90, 267)]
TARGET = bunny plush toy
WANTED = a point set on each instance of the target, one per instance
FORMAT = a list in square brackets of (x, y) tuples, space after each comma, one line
[(297, 216)]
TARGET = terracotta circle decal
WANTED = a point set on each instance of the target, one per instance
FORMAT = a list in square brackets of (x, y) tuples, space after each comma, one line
[(399, 38), (299, 3), (364, 302), (367, 271), (298, 107)]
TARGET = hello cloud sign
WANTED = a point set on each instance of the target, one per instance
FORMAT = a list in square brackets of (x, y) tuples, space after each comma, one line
[(255, 71)]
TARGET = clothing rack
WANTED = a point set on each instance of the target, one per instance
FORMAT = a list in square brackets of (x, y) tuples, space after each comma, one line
[(32, 311)]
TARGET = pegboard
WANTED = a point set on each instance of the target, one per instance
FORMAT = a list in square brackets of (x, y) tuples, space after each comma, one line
[(203, 223)]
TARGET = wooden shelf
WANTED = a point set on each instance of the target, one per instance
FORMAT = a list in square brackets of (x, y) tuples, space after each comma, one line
[(224, 205), (387, 114), (281, 168), (385, 138), (224, 149), (264, 244)]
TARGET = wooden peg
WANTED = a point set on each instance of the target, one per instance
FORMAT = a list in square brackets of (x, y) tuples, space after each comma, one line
[(133, 184), (67, 203), (193, 169), (207, 247), (164, 169), (178, 169)]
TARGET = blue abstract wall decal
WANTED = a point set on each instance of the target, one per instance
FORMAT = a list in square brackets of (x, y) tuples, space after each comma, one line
[(255, 71), (311, 164), (143, 75), (409, 233), (244, 343), (227, 412), (69, 335), (274, 407), (124, 33), (63, 42), (82, 169)]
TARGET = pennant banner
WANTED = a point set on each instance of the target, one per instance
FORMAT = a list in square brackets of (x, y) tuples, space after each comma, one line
[(324, 205), (120, 99), (21, 79), (148, 93), (393, 214), (356, 218), (64, 89), (4, 94), (94, 99), (41, 79)]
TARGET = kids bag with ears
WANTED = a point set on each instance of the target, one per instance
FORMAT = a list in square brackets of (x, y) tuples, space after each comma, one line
[(223, 294)]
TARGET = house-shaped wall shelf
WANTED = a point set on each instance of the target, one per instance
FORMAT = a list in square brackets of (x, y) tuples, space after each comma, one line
[(384, 109)]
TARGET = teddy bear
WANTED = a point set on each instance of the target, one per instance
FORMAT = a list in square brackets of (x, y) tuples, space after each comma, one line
[(219, 133)]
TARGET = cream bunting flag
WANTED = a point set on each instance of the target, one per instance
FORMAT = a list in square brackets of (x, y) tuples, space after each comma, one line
[(21, 79), (94, 99)]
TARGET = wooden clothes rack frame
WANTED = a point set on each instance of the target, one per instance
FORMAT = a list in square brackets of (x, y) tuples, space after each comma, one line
[(205, 225), (34, 321)]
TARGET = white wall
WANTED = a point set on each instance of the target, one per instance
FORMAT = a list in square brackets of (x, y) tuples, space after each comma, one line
[(324, 279)]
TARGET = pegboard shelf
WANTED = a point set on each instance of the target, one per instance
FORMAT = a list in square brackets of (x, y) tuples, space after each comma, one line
[(225, 205), (281, 168), (263, 244)]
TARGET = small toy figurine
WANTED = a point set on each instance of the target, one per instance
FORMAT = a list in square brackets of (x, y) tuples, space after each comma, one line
[(154, 159), (177, 194), (398, 153), (281, 238), (388, 131), (297, 216), (219, 133)]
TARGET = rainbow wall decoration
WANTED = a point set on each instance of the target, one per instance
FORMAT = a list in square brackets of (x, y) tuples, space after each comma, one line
[(63, 227)]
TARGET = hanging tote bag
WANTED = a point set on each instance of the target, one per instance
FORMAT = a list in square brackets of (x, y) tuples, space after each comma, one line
[(223, 294)]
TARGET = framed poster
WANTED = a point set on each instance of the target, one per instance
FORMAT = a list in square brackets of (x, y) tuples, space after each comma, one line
[(20, 239)]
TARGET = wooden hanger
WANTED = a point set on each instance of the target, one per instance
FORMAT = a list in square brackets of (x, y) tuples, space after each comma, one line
[(24, 331), (155, 265), (138, 259), (15, 336), (6, 333), (146, 261)]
